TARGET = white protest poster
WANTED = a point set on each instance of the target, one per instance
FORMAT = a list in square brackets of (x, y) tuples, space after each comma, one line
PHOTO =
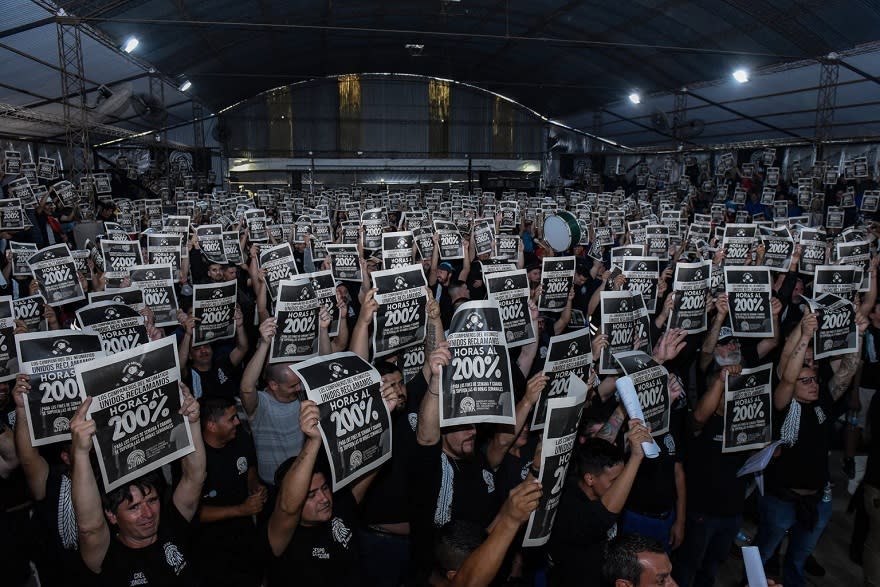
[(119, 326), (296, 312), (355, 423), (279, 265), (345, 262), (54, 270), (738, 241), (557, 278), (642, 276), (690, 286), (136, 398), (749, 293), (568, 354), (31, 311), (778, 247), (748, 409), (401, 319), (48, 359), (157, 284), (21, 252), (618, 313), (838, 332), (476, 386), (560, 434), (398, 250), (511, 290), (211, 242), (164, 249), (651, 382), (214, 311)]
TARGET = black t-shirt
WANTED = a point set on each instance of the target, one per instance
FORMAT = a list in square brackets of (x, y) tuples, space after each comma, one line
[(167, 561), (712, 485), (387, 500), (324, 555), (872, 472), (871, 359), (221, 381), (653, 491), (226, 482), (804, 465), (576, 547)]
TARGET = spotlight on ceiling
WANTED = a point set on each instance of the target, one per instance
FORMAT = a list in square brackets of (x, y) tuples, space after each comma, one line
[(741, 75), (185, 85), (635, 98), (131, 44)]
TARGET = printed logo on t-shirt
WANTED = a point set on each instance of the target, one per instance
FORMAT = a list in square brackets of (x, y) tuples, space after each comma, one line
[(174, 557), (413, 420), (242, 465), (11, 419), (221, 376), (524, 472), (138, 579), (612, 532), (341, 532), (489, 479), (320, 552), (670, 444)]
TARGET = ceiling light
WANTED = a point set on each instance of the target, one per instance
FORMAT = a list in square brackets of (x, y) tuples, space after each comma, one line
[(131, 44), (635, 98), (185, 85), (741, 75)]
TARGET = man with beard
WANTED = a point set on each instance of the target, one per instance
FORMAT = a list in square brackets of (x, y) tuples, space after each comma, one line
[(721, 348)]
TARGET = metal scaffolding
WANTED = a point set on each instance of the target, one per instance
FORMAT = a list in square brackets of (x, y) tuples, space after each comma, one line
[(73, 88), (198, 126), (826, 100), (679, 114)]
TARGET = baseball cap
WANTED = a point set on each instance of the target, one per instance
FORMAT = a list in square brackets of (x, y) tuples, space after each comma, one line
[(446, 266), (725, 335)]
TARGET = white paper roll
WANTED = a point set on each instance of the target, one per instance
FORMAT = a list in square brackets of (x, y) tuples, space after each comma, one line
[(626, 391)]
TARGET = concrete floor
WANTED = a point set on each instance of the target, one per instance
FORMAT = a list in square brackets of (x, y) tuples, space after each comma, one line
[(832, 552)]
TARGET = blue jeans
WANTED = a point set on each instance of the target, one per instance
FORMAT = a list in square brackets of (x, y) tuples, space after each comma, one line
[(707, 541), (657, 528), (777, 516)]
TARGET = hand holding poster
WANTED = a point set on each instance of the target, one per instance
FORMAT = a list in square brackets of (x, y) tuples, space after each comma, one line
[(651, 382), (55, 272), (157, 284), (136, 400), (119, 326), (296, 335), (48, 359), (563, 417), (748, 409), (838, 332), (557, 278), (449, 239), (476, 385), (738, 241), (690, 287), (398, 250), (749, 294), (511, 290), (279, 265), (355, 423), (618, 324), (214, 311), (401, 319), (778, 247), (211, 242), (345, 262), (31, 311), (642, 276), (568, 354), (21, 252)]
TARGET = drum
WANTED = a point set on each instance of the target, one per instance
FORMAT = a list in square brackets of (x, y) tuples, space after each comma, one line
[(562, 231)]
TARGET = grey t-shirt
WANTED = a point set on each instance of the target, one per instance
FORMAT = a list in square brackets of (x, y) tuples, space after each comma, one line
[(277, 435)]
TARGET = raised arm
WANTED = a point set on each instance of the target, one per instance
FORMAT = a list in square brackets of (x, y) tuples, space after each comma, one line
[(428, 430), (710, 401), (295, 486), (707, 351), (236, 355), (785, 390), (193, 466), (248, 387), (616, 496), (360, 334), (94, 534), (765, 345), (188, 322), (35, 467), (505, 436), (340, 342)]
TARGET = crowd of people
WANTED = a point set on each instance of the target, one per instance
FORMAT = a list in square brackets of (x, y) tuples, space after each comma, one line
[(253, 505)]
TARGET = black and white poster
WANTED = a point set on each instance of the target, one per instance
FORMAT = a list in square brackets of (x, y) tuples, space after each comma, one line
[(11, 162), (12, 215), (642, 276), (55, 272), (279, 264), (81, 260), (557, 279), (345, 262), (164, 249), (560, 436), (257, 225), (507, 247), (21, 252), (214, 310), (690, 286), (373, 222), (120, 327), (511, 290), (618, 254), (450, 240), (657, 237), (397, 250), (748, 409), (211, 242), (48, 359), (8, 357), (424, 239), (568, 354), (46, 168), (120, 257), (324, 287), (749, 291), (858, 253), (355, 423), (870, 201), (484, 237), (618, 323), (401, 319), (838, 333), (813, 249), (840, 280), (232, 247), (296, 313), (132, 297), (738, 241), (778, 247), (136, 398), (651, 382), (476, 386), (31, 311), (157, 284)]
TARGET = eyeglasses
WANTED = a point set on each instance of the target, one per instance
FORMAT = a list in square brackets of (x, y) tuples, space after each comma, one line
[(808, 380)]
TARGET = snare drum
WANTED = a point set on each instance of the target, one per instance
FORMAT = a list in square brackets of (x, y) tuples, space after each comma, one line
[(562, 231)]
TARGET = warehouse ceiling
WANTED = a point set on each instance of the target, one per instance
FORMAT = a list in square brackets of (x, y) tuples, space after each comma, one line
[(566, 60)]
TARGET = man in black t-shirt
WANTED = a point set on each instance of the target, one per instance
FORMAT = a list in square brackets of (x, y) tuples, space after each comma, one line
[(591, 502), (149, 547), (231, 496), (210, 375), (311, 531)]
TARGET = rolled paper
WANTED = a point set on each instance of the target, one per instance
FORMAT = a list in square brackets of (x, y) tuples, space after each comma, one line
[(626, 391)]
